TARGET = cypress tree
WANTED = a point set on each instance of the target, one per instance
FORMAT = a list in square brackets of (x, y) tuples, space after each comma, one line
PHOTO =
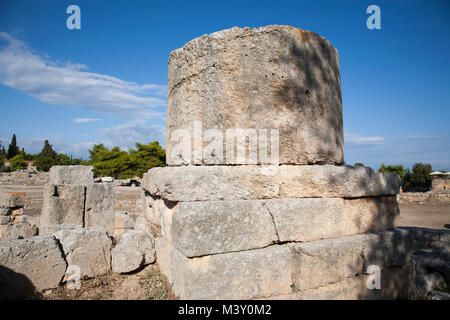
[(13, 149)]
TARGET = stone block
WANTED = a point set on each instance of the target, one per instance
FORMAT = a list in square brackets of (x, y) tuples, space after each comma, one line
[(17, 231), (395, 284), (87, 248), (208, 183), (276, 77), (211, 227), (73, 175), (28, 265), (318, 263), (311, 219), (201, 228), (248, 274), (12, 200), (134, 250), (63, 204), (50, 229), (100, 206)]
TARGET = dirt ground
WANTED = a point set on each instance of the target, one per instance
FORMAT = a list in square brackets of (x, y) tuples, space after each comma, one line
[(147, 284), (435, 216)]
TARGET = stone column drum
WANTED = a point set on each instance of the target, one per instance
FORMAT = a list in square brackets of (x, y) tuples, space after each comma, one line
[(231, 230), (272, 77)]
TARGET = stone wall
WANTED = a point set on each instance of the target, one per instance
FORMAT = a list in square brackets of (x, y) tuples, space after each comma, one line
[(430, 197), (440, 184), (24, 178)]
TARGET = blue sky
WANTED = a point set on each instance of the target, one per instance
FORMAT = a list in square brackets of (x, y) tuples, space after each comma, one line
[(107, 82)]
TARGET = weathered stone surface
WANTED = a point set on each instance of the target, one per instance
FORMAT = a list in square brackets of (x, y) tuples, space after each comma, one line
[(142, 224), (29, 264), (63, 204), (164, 257), (147, 205), (322, 218), (122, 223), (5, 219), (17, 231), (272, 77), (100, 206), (210, 227), (50, 229), (87, 248), (11, 200), (135, 249), (322, 262), (203, 183), (73, 175), (201, 228), (318, 263), (425, 283), (5, 212), (239, 275), (395, 284)]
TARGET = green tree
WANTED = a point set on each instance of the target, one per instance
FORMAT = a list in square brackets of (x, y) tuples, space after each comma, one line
[(146, 157), (13, 149), (46, 158), (398, 169), (359, 164), (18, 163), (121, 164), (63, 160), (419, 179)]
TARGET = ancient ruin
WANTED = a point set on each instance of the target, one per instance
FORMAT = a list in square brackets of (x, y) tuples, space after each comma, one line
[(255, 201), (240, 227)]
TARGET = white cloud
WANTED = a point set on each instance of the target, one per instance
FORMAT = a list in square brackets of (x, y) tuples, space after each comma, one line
[(85, 120), (359, 139), (127, 134), (67, 84), (424, 136)]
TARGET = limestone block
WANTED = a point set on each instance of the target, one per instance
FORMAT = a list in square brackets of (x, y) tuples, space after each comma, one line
[(100, 208), (134, 250), (63, 204), (318, 263), (142, 224), (164, 257), (30, 264), (395, 284), (11, 200), (311, 219), (273, 77), (390, 248), (201, 228), (239, 275), (87, 248), (147, 206), (73, 175), (205, 183), (50, 229), (211, 227), (122, 223), (322, 262), (17, 231), (5, 211), (5, 219)]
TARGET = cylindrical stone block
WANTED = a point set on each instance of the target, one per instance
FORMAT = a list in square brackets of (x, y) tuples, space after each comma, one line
[(274, 77)]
